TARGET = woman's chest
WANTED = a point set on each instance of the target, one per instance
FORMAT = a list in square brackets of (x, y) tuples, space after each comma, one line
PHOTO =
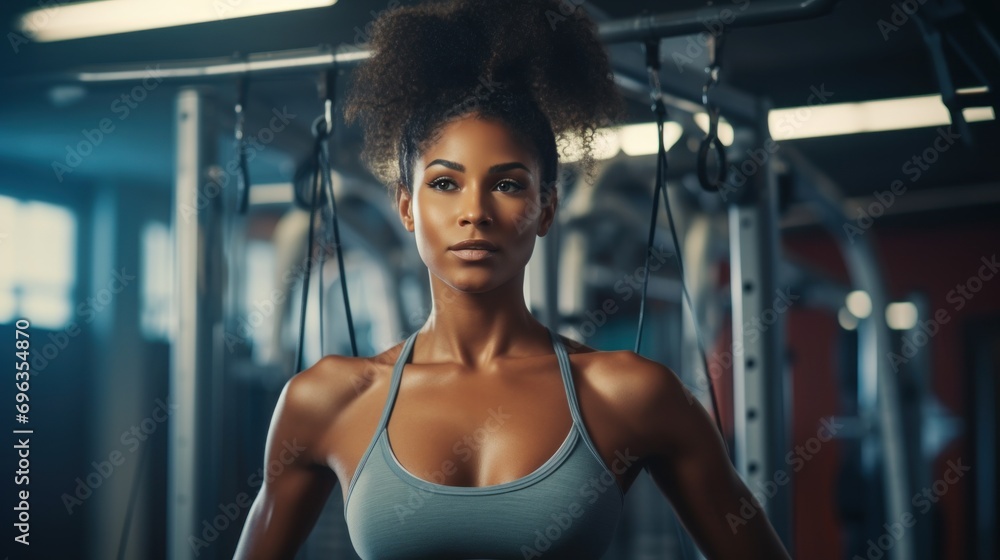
[(481, 431)]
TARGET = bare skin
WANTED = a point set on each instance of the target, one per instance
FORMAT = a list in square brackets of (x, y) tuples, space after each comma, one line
[(481, 349)]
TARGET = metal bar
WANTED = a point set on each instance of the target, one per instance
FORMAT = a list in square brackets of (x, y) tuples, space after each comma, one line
[(683, 92), (985, 458), (196, 221), (273, 62), (777, 420), (668, 24), (918, 201), (743, 13), (915, 420), (760, 433)]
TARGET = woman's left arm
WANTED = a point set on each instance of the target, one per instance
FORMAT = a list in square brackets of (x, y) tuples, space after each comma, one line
[(687, 460)]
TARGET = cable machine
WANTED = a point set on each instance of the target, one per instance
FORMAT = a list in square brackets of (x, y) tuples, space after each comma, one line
[(761, 431)]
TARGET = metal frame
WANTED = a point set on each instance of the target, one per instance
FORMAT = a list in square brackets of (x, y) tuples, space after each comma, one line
[(641, 28), (878, 388), (194, 372), (759, 380)]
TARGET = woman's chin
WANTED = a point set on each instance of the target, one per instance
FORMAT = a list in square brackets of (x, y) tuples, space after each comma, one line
[(473, 282)]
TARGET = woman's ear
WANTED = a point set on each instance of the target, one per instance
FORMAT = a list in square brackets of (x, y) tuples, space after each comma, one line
[(547, 216), (403, 204)]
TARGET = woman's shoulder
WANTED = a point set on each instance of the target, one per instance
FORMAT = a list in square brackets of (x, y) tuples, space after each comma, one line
[(628, 381), (642, 397), (622, 365), (335, 381)]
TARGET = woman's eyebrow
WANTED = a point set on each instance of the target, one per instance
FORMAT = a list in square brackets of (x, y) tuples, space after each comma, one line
[(498, 168)]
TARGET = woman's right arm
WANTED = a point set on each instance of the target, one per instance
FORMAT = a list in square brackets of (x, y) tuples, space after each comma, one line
[(297, 482)]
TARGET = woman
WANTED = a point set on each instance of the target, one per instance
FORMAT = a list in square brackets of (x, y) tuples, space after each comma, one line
[(502, 439)]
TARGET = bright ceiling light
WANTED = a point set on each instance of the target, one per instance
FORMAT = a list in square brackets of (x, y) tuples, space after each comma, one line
[(859, 303), (973, 114), (725, 131), (846, 319), (632, 139), (640, 139), (106, 17), (901, 315), (867, 116)]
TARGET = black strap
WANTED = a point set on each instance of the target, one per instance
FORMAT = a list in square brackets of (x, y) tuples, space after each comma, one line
[(652, 59), (241, 145), (323, 187), (711, 140)]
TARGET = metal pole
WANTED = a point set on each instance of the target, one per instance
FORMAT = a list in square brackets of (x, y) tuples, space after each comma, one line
[(198, 257), (760, 433)]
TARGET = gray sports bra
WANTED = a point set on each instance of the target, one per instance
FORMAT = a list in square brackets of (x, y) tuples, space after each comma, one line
[(567, 508)]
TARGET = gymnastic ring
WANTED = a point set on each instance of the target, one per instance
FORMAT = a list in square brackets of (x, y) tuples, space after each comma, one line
[(707, 183)]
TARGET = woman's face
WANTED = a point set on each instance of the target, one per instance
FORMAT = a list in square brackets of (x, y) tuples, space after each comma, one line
[(476, 181)]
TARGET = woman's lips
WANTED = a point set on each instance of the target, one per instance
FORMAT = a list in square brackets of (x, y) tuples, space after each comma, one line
[(472, 254)]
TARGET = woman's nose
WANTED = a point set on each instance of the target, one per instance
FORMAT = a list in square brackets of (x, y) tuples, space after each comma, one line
[(475, 207)]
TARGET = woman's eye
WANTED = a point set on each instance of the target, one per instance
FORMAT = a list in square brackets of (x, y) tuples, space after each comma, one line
[(507, 186), (513, 185), (439, 183)]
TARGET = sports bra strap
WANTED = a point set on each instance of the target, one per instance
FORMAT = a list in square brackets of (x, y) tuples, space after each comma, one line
[(397, 375), (561, 356)]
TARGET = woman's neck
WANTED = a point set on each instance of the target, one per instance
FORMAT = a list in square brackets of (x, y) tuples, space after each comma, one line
[(474, 329)]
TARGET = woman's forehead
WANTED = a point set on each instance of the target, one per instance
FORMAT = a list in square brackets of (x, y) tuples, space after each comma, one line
[(491, 132)]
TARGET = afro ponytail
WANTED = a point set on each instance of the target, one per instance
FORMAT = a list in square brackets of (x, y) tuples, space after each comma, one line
[(538, 65)]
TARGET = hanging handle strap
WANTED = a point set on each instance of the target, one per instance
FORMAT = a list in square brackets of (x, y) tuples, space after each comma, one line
[(708, 182), (658, 107), (243, 178), (323, 194)]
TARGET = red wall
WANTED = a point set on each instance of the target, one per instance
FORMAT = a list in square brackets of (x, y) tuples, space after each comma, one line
[(932, 260)]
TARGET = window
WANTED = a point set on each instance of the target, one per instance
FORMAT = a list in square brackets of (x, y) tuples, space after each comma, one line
[(37, 262), (156, 307), (256, 324)]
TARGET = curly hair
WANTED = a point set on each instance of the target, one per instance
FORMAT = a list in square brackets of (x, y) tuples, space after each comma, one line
[(538, 66)]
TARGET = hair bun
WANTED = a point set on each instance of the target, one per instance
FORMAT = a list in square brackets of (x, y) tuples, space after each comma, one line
[(437, 53)]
